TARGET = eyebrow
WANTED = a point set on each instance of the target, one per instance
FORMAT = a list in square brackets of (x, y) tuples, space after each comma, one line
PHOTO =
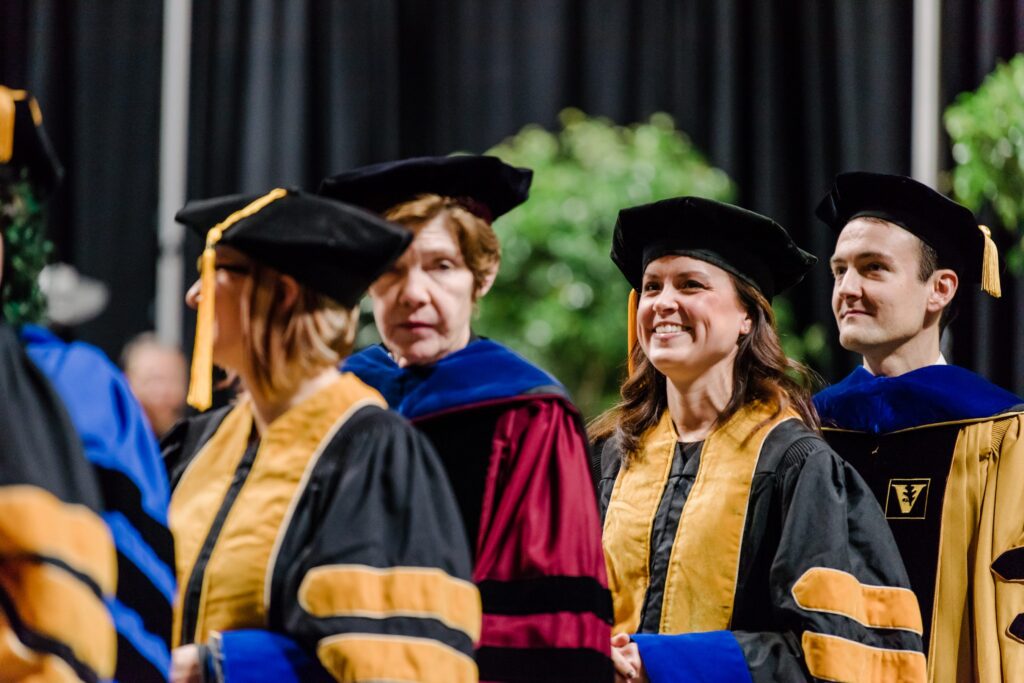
[(862, 256)]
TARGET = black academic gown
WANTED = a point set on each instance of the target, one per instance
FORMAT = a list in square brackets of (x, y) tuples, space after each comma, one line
[(765, 559), (334, 537), (57, 558)]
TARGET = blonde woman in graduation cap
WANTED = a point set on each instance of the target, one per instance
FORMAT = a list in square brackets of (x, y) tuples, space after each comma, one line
[(739, 546), (316, 534)]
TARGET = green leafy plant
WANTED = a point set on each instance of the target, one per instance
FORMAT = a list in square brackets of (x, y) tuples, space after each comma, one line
[(986, 127), (26, 250)]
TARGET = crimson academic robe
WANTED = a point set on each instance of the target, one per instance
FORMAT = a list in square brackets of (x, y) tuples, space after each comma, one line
[(515, 450), (57, 558)]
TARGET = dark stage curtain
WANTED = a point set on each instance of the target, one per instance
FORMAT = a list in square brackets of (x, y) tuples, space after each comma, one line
[(95, 69), (782, 95)]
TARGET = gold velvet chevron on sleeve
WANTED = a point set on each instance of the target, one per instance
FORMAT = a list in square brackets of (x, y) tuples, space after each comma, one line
[(46, 548), (832, 658), (365, 657), (363, 591), (822, 589)]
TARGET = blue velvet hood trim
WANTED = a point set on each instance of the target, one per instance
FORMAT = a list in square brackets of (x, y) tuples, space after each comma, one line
[(483, 371), (928, 395)]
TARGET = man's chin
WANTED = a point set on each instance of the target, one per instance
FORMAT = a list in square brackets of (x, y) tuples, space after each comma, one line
[(856, 341)]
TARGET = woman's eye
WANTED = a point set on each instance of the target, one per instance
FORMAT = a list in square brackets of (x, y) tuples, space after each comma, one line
[(693, 284), (651, 287)]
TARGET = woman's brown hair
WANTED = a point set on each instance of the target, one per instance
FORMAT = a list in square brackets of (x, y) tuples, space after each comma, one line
[(477, 241), (286, 344), (762, 373)]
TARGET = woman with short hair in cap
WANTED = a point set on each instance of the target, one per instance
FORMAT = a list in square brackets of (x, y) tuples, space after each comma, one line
[(739, 546), (512, 442), (310, 522)]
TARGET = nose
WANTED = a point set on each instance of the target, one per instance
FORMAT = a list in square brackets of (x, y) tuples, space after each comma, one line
[(414, 289), (192, 296), (665, 303), (848, 285)]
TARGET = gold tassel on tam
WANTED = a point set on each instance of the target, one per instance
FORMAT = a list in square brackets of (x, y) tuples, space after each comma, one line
[(631, 329), (8, 98), (990, 265), (200, 390)]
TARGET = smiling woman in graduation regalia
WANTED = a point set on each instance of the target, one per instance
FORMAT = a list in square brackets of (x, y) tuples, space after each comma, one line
[(740, 547), (309, 521), (512, 442)]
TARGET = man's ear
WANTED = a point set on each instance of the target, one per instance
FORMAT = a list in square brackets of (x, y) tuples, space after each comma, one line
[(486, 285), (944, 286)]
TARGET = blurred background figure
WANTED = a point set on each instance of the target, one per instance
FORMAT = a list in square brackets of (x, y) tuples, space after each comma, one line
[(130, 487), (158, 376), (57, 561)]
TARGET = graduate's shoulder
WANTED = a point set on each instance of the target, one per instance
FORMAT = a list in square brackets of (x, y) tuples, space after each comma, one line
[(792, 445), (186, 438)]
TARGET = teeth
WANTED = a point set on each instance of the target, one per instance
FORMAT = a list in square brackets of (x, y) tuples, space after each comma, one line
[(666, 328)]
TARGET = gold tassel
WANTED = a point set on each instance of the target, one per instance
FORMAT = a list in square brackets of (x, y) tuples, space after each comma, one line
[(631, 329), (990, 265), (200, 389), (7, 114)]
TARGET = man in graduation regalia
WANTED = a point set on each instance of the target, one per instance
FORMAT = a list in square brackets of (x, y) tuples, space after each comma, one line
[(107, 421), (940, 446), (57, 559)]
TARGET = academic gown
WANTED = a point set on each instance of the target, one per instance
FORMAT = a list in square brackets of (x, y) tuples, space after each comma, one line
[(760, 558), (942, 450), (57, 558), (333, 536), (515, 450), (124, 454)]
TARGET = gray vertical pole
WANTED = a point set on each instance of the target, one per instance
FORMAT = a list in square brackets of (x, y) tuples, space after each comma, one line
[(924, 139), (170, 286), (925, 116)]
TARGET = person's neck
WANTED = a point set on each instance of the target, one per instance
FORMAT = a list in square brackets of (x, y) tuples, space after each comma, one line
[(696, 404), (917, 352), (266, 409)]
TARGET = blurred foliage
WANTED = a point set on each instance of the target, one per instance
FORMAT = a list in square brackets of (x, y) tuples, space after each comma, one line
[(558, 299), (987, 130), (26, 250)]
